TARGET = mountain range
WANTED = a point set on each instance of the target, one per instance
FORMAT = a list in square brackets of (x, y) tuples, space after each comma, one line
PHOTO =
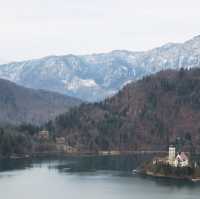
[(23, 105), (97, 76)]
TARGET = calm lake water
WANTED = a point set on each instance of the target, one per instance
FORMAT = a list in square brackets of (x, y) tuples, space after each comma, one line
[(86, 178)]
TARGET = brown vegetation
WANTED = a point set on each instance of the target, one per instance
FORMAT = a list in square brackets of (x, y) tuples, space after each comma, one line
[(146, 115)]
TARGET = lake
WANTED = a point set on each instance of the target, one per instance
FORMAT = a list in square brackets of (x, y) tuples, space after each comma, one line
[(87, 178)]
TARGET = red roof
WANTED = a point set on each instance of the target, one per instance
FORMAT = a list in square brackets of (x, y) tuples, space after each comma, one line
[(182, 156)]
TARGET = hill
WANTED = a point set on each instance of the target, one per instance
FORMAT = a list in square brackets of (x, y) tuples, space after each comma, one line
[(23, 105), (146, 115), (94, 77)]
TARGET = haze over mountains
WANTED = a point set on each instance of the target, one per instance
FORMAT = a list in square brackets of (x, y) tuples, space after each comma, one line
[(94, 77), (22, 105)]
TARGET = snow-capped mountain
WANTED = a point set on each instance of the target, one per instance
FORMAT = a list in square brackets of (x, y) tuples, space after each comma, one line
[(94, 77)]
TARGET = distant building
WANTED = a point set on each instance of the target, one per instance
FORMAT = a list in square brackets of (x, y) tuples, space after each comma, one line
[(181, 160), (43, 135), (63, 147), (159, 160), (172, 155), (60, 144)]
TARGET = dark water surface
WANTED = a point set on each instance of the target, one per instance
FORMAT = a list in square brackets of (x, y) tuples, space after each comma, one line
[(87, 178)]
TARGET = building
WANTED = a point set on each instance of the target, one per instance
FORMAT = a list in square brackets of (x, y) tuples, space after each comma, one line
[(172, 155), (159, 160), (43, 135), (60, 144), (181, 160)]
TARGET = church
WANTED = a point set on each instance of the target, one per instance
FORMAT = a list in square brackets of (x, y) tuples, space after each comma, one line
[(179, 160)]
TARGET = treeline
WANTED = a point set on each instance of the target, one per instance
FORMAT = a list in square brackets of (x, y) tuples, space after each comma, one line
[(16, 140)]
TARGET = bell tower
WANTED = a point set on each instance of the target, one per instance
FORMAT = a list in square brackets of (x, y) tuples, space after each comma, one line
[(172, 154)]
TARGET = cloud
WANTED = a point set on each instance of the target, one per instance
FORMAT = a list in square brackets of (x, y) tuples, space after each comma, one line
[(36, 28)]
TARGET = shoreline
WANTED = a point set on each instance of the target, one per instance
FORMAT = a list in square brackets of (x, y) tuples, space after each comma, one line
[(83, 153), (86, 153), (187, 178)]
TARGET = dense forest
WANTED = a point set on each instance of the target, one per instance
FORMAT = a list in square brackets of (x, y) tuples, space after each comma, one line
[(145, 115), (17, 140), (148, 114)]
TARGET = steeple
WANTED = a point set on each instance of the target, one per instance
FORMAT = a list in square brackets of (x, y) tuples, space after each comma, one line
[(172, 154)]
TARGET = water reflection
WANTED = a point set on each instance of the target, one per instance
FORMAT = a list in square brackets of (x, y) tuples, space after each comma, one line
[(96, 163), (9, 165), (96, 169)]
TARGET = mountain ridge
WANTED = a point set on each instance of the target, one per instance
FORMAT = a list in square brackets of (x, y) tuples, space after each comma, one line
[(19, 104), (97, 76)]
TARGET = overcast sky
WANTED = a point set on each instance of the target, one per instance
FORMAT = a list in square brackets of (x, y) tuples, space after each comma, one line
[(37, 28)]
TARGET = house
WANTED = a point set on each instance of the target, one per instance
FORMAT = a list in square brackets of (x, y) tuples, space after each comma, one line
[(60, 144), (181, 160), (43, 135)]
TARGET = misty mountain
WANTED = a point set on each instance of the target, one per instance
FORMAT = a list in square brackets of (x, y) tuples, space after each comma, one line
[(94, 77), (23, 105)]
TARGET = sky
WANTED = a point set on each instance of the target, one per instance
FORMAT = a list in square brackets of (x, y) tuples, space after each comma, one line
[(37, 28)]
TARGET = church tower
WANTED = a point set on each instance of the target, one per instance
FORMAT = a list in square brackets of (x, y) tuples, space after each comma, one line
[(172, 154)]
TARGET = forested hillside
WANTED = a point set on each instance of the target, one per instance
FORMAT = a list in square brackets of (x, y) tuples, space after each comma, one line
[(149, 114)]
